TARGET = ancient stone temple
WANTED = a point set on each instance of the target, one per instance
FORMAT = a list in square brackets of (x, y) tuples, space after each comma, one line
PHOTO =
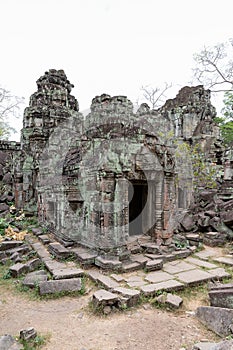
[(102, 180)]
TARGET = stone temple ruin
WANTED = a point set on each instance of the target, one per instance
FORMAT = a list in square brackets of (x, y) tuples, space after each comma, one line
[(103, 180)]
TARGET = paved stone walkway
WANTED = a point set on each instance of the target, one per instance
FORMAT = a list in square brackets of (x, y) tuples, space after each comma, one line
[(172, 275)]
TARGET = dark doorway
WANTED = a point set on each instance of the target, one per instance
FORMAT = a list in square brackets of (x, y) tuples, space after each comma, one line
[(137, 196)]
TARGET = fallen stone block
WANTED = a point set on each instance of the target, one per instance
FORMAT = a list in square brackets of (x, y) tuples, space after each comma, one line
[(223, 345), (5, 245), (42, 252), (131, 266), (154, 265), (67, 273), (37, 231), (110, 264), (18, 269), (222, 296), (33, 264), (59, 286), (173, 300), (131, 295), (151, 248), (85, 258), (22, 250), (7, 342), (203, 346), (58, 250), (33, 279), (44, 239), (102, 298), (217, 319), (107, 282), (28, 334)]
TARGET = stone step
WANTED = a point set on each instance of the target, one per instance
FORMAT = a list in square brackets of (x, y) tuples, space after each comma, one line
[(170, 285), (58, 250)]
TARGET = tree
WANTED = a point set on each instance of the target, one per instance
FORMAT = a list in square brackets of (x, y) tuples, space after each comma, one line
[(154, 96), (9, 108), (226, 121), (214, 67)]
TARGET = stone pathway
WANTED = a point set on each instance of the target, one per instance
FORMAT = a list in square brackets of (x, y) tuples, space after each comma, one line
[(157, 272)]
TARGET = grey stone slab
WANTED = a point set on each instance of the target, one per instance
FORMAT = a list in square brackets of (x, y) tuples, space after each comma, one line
[(107, 282), (204, 346), (135, 284), (93, 275), (41, 250), (86, 258), (18, 269), (200, 263), (52, 264), (131, 266), (151, 248), (205, 254), (217, 319), (158, 276), (67, 273), (45, 239), (219, 273), (173, 300), (103, 298), (66, 285), (154, 265), (33, 264), (33, 278), (177, 266), (58, 250), (108, 264), (155, 256), (37, 231), (131, 295), (7, 342), (170, 285), (118, 278), (181, 254), (140, 258), (194, 276), (22, 249), (227, 260), (5, 245), (223, 345)]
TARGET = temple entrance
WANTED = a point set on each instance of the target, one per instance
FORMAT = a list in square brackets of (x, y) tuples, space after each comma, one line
[(137, 196)]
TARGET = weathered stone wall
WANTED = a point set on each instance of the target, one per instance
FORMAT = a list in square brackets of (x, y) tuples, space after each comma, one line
[(8, 153)]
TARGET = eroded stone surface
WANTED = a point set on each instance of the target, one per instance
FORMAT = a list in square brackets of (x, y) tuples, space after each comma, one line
[(59, 286)]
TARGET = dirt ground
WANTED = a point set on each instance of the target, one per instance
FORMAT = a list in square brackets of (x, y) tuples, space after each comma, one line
[(72, 326)]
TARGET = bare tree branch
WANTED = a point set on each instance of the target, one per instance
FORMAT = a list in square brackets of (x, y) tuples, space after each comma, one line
[(214, 66), (9, 107), (155, 96)]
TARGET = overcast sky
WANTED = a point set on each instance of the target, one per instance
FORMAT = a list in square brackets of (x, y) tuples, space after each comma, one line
[(107, 46)]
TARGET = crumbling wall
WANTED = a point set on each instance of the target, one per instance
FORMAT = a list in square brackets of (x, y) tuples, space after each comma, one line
[(8, 153)]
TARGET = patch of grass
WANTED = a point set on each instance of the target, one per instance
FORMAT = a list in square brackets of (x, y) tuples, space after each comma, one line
[(36, 343)]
